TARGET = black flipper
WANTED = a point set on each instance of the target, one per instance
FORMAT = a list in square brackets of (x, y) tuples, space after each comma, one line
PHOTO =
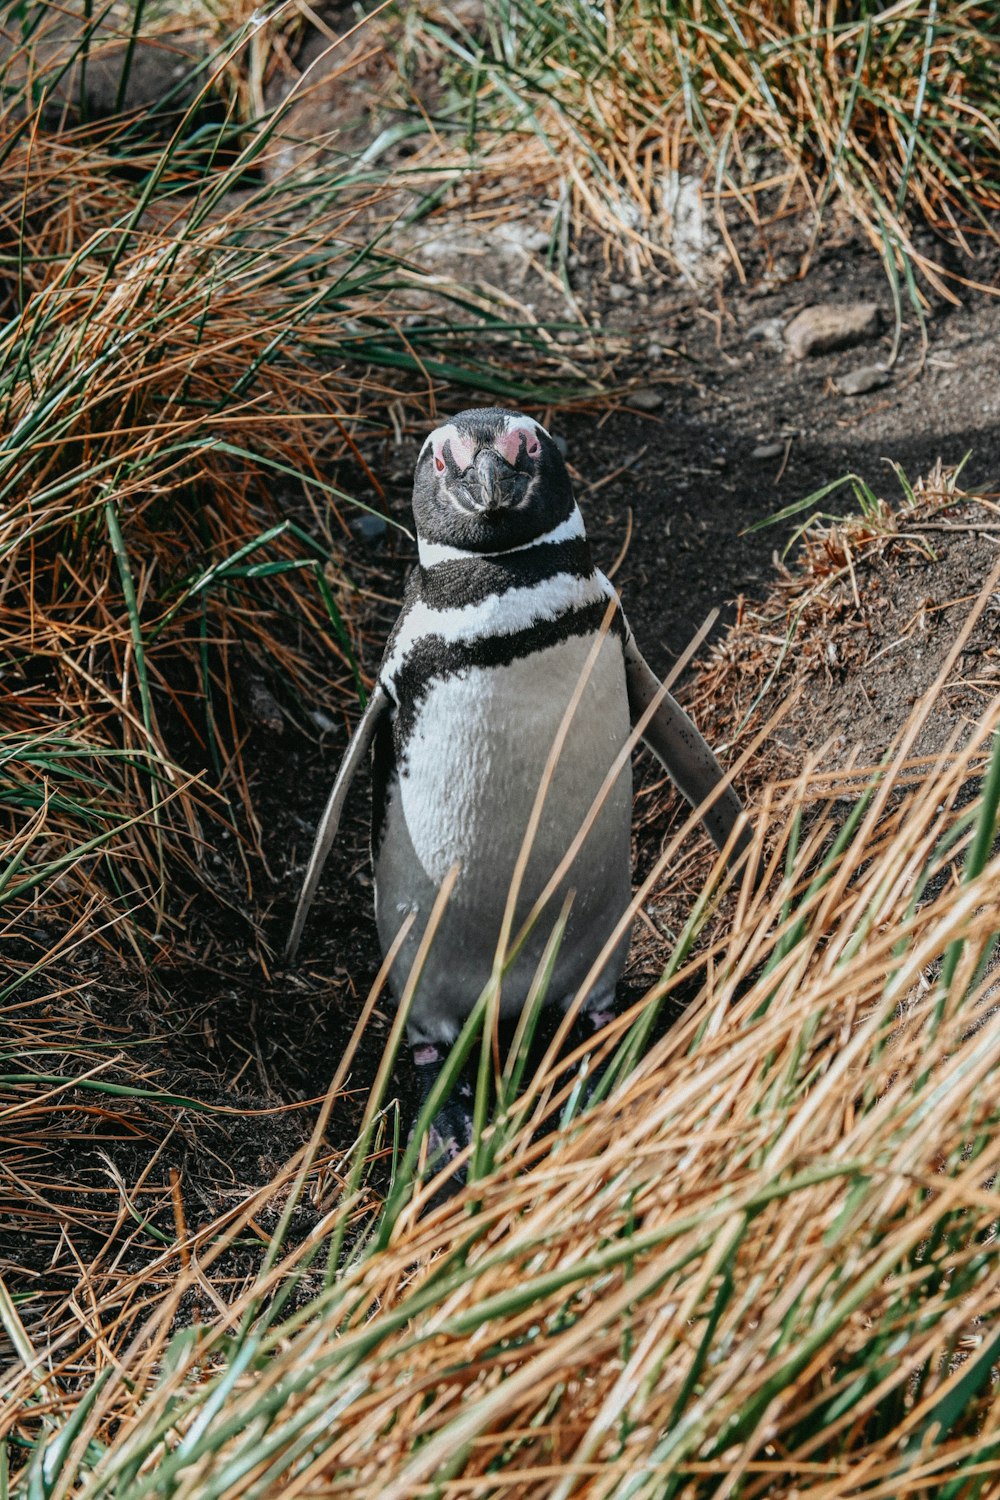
[(355, 753), (675, 741)]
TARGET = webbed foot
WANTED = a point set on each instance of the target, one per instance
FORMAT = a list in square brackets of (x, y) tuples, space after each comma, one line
[(451, 1128)]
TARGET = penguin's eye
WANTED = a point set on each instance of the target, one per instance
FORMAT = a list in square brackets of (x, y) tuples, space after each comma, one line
[(451, 445), (532, 447)]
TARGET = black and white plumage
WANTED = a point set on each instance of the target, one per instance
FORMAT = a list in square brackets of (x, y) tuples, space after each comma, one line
[(499, 620)]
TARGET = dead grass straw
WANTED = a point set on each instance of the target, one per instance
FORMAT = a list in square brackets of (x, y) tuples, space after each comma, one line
[(767, 1264), (889, 112)]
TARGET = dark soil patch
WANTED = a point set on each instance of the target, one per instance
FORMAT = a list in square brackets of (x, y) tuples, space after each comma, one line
[(699, 485)]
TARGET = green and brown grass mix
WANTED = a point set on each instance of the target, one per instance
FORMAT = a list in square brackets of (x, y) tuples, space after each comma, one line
[(766, 1262), (888, 112)]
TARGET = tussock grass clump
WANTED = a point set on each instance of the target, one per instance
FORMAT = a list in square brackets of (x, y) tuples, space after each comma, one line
[(889, 110), (187, 349), (160, 400), (162, 392)]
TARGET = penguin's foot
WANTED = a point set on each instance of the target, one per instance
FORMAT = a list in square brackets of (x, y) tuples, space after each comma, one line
[(585, 1027), (451, 1129), (593, 1021)]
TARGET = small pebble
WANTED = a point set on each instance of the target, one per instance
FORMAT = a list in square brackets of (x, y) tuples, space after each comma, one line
[(369, 528), (768, 450), (619, 293), (646, 398), (532, 239), (864, 378), (826, 326), (785, 268), (768, 330)]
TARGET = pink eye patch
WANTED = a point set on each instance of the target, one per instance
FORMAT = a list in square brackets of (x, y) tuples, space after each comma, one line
[(462, 450), (508, 444)]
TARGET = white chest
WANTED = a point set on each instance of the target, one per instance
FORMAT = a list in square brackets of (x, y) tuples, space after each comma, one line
[(478, 750)]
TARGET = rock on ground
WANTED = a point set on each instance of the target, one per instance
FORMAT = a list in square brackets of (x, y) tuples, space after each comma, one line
[(858, 382), (831, 325)]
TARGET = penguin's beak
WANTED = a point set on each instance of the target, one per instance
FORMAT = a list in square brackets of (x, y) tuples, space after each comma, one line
[(496, 484)]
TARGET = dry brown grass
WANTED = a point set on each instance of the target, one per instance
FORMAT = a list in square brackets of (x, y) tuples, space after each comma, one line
[(765, 1266), (889, 112)]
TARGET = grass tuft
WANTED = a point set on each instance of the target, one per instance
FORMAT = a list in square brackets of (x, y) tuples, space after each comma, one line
[(887, 111)]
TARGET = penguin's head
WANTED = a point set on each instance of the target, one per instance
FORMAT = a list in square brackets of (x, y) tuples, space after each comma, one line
[(489, 480)]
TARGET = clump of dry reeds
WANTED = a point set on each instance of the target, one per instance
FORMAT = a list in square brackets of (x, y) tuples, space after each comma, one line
[(162, 392), (890, 111)]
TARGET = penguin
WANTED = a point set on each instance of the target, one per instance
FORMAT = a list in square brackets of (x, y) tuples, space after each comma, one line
[(508, 637)]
